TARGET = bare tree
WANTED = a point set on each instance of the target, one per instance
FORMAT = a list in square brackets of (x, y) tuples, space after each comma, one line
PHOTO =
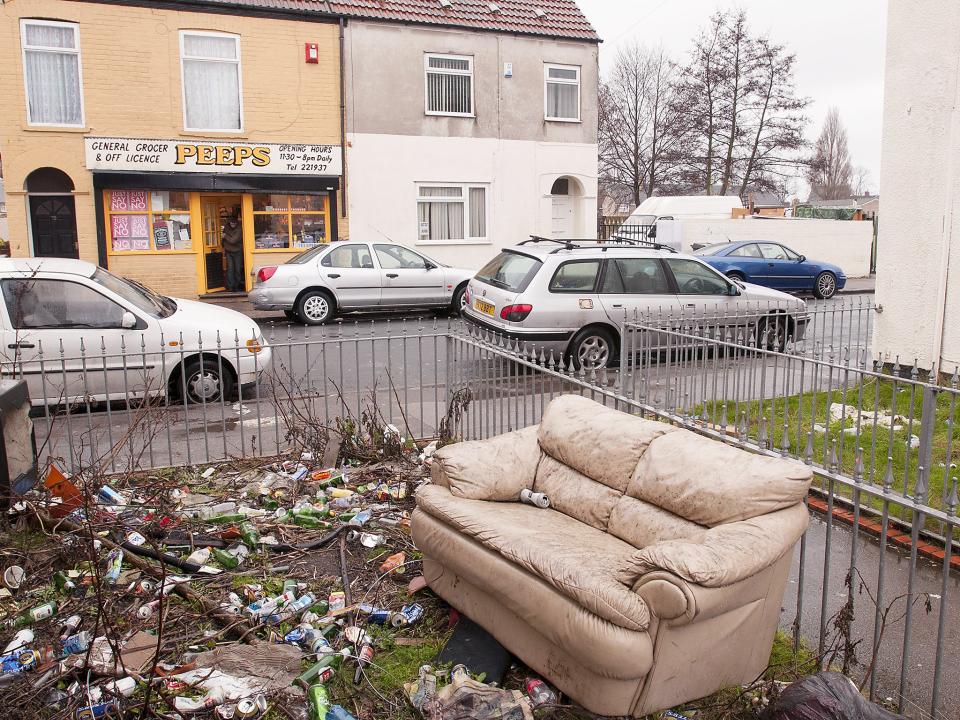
[(639, 129), (860, 180), (830, 171)]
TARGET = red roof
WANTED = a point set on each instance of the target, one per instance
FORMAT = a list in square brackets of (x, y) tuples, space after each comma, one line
[(558, 18), (547, 18)]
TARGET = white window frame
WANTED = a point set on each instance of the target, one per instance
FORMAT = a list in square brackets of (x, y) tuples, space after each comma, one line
[(427, 70), (547, 81), (24, 22), (465, 200), (183, 83)]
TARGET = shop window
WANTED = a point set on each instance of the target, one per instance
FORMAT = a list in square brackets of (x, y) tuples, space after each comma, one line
[(212, 99), (145, 221), (290, 222), (52, 74)]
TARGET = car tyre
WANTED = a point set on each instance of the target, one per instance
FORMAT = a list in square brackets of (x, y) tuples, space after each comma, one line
[(593, 349), (458, 302), (315, 308), (736, 276), (205, 381), (825, 286), (773, 333)]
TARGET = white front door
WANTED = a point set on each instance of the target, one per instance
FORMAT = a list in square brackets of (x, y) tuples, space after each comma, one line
[(562, 227)]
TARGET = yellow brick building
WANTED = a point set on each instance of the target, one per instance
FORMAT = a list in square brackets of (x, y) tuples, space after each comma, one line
[(131, 132)]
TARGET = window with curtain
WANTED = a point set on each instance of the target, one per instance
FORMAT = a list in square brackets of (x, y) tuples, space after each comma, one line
[(449, 85), (211, 81), (562, 92), (51, 68), (452, 212)]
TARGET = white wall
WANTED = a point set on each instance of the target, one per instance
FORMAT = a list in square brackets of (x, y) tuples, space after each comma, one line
[(384, 171), (842, 242), (920, 186)]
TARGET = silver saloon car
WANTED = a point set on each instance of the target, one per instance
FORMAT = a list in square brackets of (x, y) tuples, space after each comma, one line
[(327, 280), (571, 299)]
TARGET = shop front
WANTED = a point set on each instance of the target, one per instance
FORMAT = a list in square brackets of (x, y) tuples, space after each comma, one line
[(195, 219)]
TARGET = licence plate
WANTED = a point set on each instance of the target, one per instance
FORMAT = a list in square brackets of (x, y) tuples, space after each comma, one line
[(484, 307)]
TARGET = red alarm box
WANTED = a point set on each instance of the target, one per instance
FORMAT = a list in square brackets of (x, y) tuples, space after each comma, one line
[(311, 54)]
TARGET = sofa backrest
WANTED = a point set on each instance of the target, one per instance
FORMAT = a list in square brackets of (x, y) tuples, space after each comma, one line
[(645, 481)]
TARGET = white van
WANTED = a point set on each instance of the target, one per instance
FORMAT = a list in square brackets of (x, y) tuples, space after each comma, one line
[(684, 207)]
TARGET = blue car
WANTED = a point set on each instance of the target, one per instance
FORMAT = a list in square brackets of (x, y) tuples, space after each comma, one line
[(773, 265)]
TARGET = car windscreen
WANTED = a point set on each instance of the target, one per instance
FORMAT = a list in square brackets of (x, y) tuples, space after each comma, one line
[(712, 249), (140, 296), (307, 255), (509, 271)]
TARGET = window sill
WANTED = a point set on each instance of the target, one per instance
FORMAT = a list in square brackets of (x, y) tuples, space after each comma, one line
[(221, 134), (56, 128), (468, 241), (127, 253), (471, 116), (563, 120), (286, 250)]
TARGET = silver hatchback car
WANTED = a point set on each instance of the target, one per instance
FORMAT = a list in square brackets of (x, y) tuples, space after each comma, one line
[(346, 276), (571, 298)]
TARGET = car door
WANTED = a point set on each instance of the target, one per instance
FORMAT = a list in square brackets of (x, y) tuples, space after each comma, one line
[(748, 260), (638, 289), (408, 278), (349, 271), (67, 340), (705, 297), (782, 272)]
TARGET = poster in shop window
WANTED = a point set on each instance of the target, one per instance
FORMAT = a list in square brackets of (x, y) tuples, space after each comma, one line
[(129, 232), (161, 235)]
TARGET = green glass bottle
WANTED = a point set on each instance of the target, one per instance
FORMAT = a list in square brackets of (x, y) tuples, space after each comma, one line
[(36, 614), (248, 532), (319, 702)]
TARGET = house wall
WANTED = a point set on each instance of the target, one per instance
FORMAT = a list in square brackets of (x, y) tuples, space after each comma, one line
[(131, 84), (919, 229), (842, 242), (508, 146)]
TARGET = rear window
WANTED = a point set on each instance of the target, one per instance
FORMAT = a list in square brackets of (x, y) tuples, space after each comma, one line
[(509, 271), (576, 276), (711, 249)]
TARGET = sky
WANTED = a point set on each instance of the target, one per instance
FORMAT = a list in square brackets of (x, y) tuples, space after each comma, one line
[(839, 46)]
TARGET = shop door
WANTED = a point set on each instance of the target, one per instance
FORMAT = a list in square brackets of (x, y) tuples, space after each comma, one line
[(213, 262), (54, 226)]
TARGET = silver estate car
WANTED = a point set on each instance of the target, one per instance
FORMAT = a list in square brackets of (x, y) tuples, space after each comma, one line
[(326, 280), (571, 298)]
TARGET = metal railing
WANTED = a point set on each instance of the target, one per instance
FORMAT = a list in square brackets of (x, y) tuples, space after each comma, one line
[(860, 585), (623, 229)]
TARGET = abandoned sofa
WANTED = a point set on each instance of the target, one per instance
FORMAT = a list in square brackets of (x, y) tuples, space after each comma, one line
[(655, 576)]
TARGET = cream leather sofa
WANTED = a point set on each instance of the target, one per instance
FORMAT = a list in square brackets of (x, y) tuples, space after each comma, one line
[(654, 578)]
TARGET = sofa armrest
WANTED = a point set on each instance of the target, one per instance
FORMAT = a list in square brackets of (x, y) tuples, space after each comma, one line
[(725, 554), (494, 469)]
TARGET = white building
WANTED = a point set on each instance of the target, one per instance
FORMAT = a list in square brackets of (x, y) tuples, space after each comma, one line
[(918, 297), (470, 125)]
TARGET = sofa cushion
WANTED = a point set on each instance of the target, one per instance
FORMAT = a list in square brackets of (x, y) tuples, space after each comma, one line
[(602, 443), (710, 483), (579, 561), (726, 554), (494, 469), (575, 495), (640, 523)]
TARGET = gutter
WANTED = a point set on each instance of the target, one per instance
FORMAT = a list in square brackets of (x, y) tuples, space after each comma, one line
[(343, 124)]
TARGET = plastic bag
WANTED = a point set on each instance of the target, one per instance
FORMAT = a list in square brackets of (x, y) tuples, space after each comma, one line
[(827, 696), (465, 699)]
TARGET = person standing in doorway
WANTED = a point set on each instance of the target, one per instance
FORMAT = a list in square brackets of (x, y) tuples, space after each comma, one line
[(232, 239)]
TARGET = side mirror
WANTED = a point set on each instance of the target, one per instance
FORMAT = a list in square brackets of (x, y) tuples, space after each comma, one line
[(803, 258), (430, 266), (128, 321), (734, 290)]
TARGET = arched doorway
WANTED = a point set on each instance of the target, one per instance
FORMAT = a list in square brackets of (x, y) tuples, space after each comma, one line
[(53, 218), (564, 194)]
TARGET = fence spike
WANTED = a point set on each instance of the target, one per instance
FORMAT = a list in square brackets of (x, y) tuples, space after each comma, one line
[(742, 427), (808, 450), (834, 464), (888, 478), (858, 466), (952, 499), (785, 438), (954, 379), (762, 439)]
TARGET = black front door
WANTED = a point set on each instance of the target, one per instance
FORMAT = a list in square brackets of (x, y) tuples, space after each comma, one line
[(54, 225)]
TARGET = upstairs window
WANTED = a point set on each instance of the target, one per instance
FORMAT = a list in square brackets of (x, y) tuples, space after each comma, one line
[(210, 63), (51, 72), (449, 85), (562, 92)]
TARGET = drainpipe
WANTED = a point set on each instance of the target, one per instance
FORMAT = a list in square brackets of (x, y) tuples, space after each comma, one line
[(343, 127)]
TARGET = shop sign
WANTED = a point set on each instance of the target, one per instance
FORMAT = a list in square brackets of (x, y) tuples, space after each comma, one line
[(151, 155)]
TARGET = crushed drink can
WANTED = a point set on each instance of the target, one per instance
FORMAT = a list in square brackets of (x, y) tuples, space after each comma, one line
[(337, 600), (107, 709), (319, 702), (539, 692), (114, 565), (19, 661), (70, 626), (378, 616), (76, 644), (109, 496), (408, 615), (251, 708), (338, 712), (536, 499)]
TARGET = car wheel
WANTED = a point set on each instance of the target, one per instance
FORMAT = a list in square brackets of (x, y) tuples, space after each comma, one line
[(592, 349), (825, 286), (315, 308), (773, 333), (205, 381), (736, 276), (459, 301)]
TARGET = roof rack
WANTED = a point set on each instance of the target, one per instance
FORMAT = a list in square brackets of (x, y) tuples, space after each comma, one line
[(612, 241)]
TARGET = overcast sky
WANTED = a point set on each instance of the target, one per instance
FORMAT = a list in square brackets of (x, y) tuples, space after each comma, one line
[(839, 46)]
